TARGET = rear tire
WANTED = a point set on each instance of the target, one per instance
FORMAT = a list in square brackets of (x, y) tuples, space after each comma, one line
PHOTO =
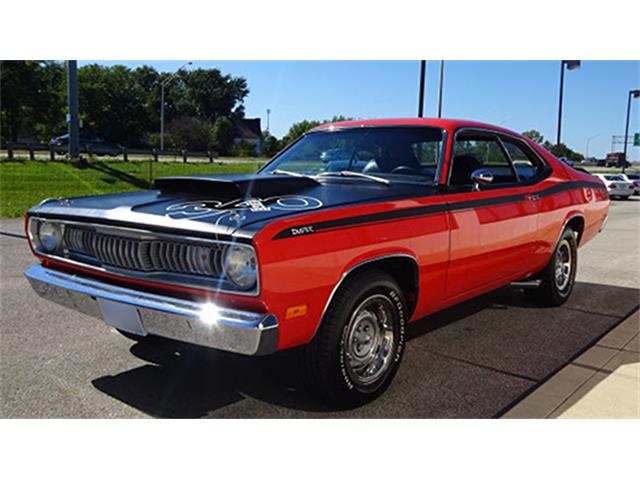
[(356, 351), (558, 277)]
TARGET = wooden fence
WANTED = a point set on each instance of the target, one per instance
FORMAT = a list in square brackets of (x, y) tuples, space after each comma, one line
[(36, 150)]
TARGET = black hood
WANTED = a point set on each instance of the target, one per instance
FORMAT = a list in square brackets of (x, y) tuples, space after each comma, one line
[(226, 204)]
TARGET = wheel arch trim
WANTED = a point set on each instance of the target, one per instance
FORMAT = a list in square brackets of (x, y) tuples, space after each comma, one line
[(568, 219), (347, 273)]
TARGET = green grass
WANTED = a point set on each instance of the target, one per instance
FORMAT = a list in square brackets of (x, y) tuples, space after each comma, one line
[(24, 183)]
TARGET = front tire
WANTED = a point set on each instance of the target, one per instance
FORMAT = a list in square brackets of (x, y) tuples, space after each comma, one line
[(357, 350), (558, 277)]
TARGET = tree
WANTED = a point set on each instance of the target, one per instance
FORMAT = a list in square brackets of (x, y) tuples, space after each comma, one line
[(534, 135), (117, 104), (32, 95), (270, 144), (223, 135), (50, 120), (300, 128), (208, 94), (112, 104), (561, 150), (187, 133), (244, 149)]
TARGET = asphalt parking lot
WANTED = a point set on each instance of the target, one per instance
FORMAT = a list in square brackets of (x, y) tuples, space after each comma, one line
[(475, 360)]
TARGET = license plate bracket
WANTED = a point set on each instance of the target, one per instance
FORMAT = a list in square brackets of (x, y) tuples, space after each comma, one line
[(121, 316)]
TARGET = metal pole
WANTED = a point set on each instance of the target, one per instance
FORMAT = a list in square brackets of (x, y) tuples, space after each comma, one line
[(72, 94), (441, 86), (268, 113), (626, 132), (589, 141), (162, 116), (586, 157), (423, 70), (560, 102)]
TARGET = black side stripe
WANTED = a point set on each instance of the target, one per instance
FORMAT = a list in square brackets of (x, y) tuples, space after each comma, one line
[(426, 210), (561, 187)]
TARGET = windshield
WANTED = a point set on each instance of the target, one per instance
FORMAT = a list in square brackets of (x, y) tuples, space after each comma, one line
[(616, 178), (390, 152)]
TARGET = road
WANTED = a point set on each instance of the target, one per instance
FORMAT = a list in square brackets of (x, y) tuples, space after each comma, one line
[(475, 360)]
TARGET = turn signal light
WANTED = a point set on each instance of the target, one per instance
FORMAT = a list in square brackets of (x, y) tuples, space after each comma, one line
[(295, 311)]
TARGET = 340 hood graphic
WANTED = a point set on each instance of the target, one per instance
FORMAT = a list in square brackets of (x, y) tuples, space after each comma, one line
[(233, 211)]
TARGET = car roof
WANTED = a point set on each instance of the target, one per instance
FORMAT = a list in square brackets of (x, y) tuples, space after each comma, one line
[(446, 123)]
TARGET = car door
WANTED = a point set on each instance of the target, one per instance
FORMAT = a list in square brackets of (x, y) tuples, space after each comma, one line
[(492, 227)]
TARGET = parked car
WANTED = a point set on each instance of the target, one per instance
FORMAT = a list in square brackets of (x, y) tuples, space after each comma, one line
[(425, 214), (634, 180), (95, 145), (617, 185)]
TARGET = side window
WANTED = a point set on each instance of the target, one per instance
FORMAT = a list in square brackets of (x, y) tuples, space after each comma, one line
[(527, 165), (471, 153)]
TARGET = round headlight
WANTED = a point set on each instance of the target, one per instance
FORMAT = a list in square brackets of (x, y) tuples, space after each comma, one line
[(49, 236), (240, 266)]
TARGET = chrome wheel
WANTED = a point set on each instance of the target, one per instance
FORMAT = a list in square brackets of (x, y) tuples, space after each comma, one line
[(369, 340), (563, 265)]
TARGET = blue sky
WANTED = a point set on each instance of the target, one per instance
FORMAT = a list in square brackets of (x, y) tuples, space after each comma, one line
[(519, 95)]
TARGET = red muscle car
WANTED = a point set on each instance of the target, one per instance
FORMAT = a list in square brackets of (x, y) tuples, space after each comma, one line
[(351, 232)]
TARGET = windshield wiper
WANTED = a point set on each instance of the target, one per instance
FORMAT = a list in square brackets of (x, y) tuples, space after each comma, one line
[(349, 173), (277, 171)]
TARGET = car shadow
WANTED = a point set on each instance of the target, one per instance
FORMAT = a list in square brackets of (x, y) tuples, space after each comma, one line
[(493, 350), (118, 175)]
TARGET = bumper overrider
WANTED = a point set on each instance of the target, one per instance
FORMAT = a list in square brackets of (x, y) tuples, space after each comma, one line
[(199, 323)]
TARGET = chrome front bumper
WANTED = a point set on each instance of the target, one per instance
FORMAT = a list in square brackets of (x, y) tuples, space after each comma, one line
[(199, 323)]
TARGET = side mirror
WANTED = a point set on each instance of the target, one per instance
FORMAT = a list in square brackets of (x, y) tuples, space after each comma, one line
[(482, 176)]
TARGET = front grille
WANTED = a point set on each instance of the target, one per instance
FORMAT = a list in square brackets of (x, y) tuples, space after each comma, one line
[(145, 255)]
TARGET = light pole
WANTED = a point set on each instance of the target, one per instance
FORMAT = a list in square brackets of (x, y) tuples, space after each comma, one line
[(268, 113), (632, 94), (423, 70), (586, 158), (72, 119), (162, 84), (440, 88), (571, 65)]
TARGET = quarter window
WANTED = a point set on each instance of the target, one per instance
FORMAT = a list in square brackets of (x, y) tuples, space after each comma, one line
[(527, 165)]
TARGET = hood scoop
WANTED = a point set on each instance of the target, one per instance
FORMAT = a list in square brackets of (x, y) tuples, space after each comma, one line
[(231, 187)]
